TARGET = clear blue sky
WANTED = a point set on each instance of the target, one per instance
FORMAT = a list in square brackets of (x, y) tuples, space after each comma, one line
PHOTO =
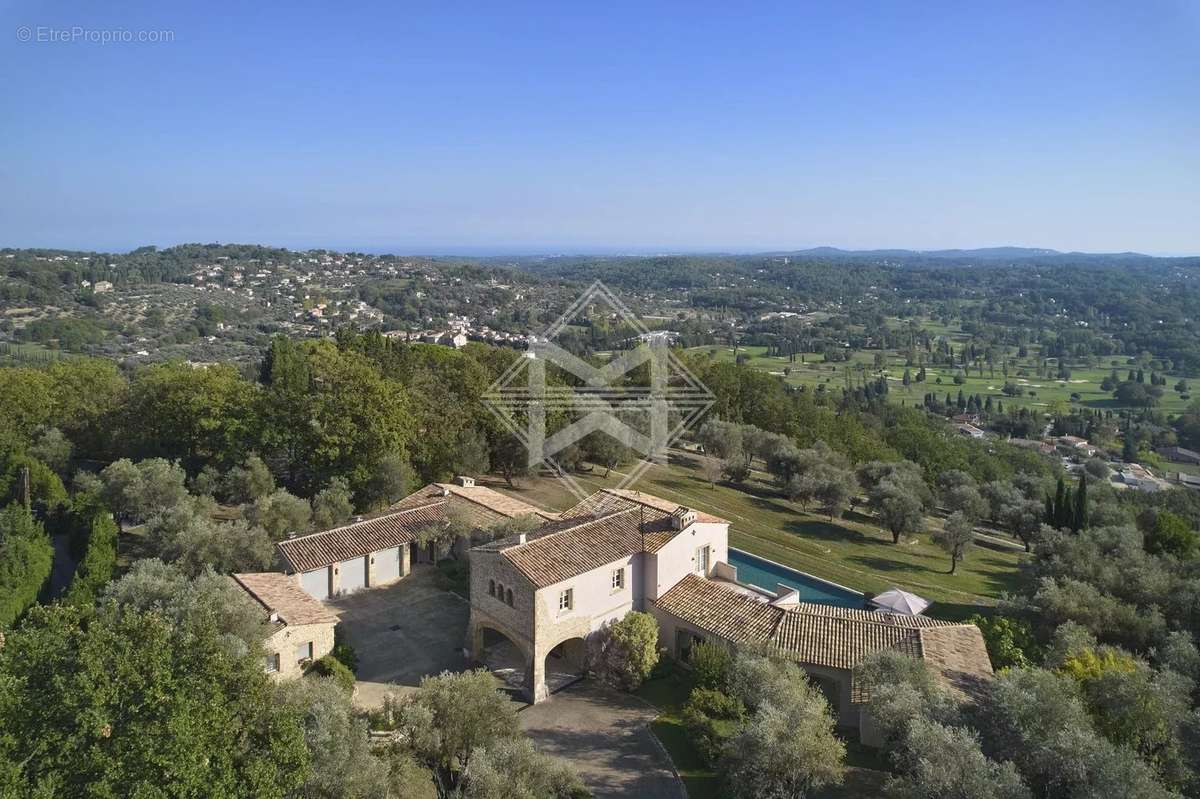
[(605, 126)]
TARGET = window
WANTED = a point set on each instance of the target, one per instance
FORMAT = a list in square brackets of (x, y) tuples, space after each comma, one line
[(272, 663), (508, 596), (491, 587), (618, 579), (703, 554), (304, 652), (566, 598)]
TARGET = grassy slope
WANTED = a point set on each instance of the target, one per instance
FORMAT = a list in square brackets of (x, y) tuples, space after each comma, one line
[(1083, 381), (852, 551)]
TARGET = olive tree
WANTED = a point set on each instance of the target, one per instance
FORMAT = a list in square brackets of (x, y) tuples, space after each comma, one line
[(956, 537), (787, 748)]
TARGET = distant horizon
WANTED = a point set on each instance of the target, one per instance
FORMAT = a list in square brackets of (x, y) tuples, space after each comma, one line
[(597, 252)]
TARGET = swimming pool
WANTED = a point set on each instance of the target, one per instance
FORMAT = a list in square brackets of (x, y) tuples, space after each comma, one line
[(767, 574)]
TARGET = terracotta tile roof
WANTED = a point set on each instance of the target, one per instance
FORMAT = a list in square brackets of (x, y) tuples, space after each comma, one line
[(839, 643), (858, 614), (393, 529), (607, 500), (486, 505), (565, 548), (281, 594), (725, 613), (960, 655), (837, 638)]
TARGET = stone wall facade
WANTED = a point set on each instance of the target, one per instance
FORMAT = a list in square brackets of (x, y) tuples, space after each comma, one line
[(283, 644)]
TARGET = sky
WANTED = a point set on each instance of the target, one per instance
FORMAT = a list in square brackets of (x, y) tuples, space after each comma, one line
[(602, 127)]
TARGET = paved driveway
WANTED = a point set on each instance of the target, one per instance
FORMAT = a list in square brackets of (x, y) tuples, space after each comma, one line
[(605, 734), (401, 633)]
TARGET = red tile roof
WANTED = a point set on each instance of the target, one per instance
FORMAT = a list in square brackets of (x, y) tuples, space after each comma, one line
[(317, 550), (836, 638), (608, 526), (280, 594), (488, 505), (561, 550)]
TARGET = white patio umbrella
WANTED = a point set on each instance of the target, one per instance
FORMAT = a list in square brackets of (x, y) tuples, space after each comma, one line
[(895, 600)]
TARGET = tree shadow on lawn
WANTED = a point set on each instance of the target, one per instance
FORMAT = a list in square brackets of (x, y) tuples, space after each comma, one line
[(887, 565), (860, 517), (826, 531)]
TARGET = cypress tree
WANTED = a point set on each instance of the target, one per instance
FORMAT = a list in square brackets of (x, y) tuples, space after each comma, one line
[(1081, 521)]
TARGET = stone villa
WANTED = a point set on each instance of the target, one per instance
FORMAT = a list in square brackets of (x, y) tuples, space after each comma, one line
[(539, 595), (547, 590)]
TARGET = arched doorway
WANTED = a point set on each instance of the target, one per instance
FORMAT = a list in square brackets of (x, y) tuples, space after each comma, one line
[(565, 663), (505, 658)]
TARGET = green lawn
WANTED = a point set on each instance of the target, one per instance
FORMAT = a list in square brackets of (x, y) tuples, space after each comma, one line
[(851, 551), (668, 694), (1047, 391)]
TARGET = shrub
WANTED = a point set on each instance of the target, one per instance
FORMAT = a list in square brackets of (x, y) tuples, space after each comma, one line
[(343, 652), (716, 704), (710, 664), (707, 734), (1009, 641), (625, 652), (711, 718), (329, 666)]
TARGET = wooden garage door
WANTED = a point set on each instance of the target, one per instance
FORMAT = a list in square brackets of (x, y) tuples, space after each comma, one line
[(316, 583), (387, 565), (354, 575)]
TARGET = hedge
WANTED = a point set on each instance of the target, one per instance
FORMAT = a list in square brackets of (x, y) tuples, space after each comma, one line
[(99, 561), (26, 560)]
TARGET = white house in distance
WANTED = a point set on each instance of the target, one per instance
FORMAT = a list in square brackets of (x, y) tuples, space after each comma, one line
[(548, 590), (302, 626)]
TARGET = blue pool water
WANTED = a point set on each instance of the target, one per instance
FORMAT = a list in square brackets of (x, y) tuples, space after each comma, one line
[(765, 574)]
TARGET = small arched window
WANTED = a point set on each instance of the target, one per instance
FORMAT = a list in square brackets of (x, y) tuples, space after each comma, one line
[(508, 598), (492, 587)]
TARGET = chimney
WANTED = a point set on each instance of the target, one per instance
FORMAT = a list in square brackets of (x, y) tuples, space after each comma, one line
[(682, 518), (522, 538), (465, 482), (274, 617)]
